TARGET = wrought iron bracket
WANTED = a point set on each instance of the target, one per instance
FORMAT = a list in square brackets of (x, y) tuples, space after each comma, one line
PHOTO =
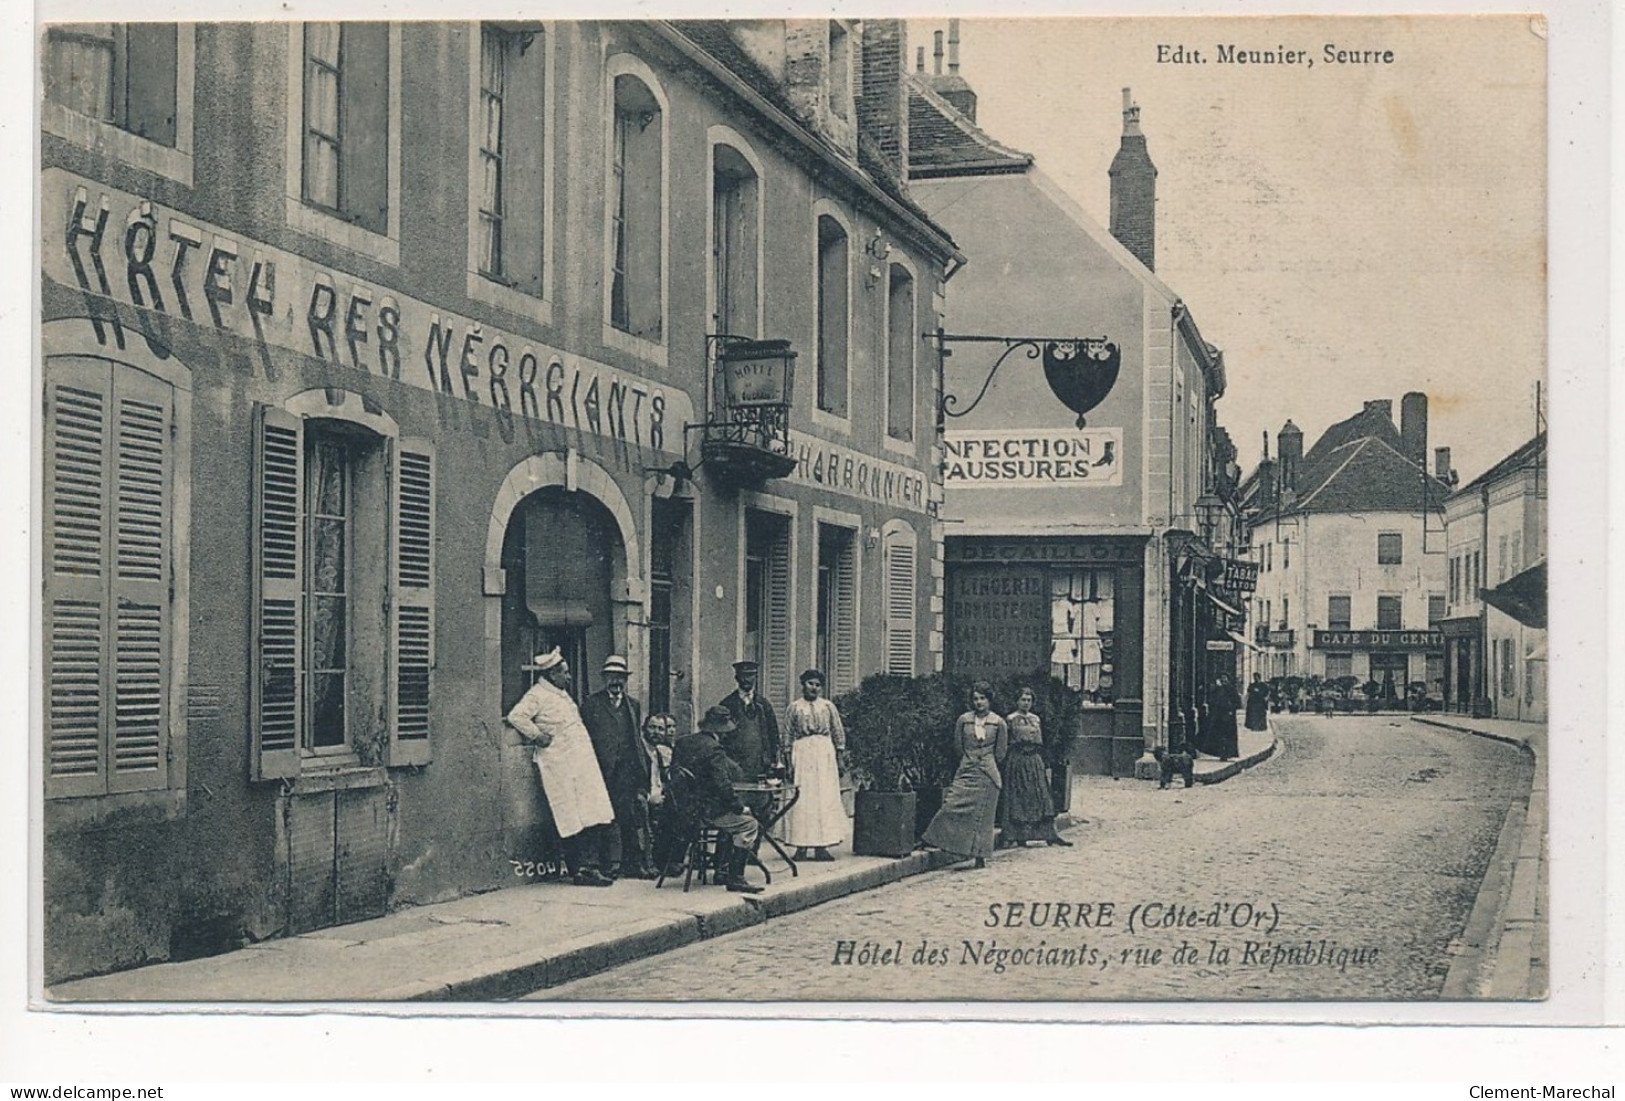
[(1056, 353)]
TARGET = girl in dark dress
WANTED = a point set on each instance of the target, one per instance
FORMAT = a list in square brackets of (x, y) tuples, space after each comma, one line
[(1219, 716), (964, 825), (1258, 704), (1029, 812)]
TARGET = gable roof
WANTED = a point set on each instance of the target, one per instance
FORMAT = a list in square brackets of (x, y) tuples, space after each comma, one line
[(1528, 455), (1355, 466), (943, 142)]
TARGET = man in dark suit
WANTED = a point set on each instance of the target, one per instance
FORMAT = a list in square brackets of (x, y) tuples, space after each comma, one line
[(614, 722), (754, 743), (713, 797)]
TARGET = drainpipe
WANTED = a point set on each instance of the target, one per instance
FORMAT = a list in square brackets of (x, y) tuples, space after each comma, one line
[(1483, 607)]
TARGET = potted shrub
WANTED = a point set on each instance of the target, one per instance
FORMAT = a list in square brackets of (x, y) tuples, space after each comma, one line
[(897, 735)]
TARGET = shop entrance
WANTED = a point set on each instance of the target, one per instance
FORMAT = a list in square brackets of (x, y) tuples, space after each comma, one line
[(1390, 671), (561, 556)]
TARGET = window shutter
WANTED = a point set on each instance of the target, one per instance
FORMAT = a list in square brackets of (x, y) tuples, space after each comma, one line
[(777, 680), (142, 470), (278, 698), (524, 171), (76, 458), (844, 676), (414, 605), (900, 575), (364, 124), (151, 65)]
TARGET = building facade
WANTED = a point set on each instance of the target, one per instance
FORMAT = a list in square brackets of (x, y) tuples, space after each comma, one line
[(379, 357), (1072, 470), (1349, 543), (1495, 629)]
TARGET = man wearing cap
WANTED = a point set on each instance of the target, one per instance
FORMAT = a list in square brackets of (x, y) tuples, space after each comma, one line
[(700, 755), (817, 819), (547, 718), (754, 744), (614, 722)]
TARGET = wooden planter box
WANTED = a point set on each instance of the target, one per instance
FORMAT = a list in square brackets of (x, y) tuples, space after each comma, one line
[(883, 823)]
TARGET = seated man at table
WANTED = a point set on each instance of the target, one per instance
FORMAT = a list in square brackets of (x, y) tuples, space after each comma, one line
[(700, 755)]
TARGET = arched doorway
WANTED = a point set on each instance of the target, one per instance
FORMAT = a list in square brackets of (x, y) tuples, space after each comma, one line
[(564, 560)]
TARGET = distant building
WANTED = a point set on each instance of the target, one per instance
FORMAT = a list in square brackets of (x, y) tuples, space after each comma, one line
[(1495, 627), (1074, 549), (1349, 541)]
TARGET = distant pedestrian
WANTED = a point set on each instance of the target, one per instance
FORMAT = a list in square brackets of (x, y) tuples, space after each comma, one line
[(547, 717), (964, 825), (1258, 704), (1218, 727), (1029, 808), (816, 820)]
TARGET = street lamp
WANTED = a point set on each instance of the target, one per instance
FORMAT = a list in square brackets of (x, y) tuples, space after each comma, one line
[(1209, 510)]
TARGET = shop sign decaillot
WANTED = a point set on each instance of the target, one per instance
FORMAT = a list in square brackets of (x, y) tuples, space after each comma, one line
[(176, 268), (1379, 640), (1028, 458)]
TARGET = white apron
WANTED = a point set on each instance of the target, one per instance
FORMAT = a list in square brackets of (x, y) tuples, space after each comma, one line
[(817, 820), (568, 767)]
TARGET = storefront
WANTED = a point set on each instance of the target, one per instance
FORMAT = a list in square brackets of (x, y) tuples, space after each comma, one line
[(1392, 660)]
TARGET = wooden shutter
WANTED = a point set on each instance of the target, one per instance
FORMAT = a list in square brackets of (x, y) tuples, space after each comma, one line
[(777, 613), (414, 604), (142, 464), (275, 671), (844, 676), (77, 415), (899, 584), (364, 124), (151, 63), (524, 125)]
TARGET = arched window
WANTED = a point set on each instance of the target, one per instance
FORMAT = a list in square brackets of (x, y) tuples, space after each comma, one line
[(636, 209), (833, 302)]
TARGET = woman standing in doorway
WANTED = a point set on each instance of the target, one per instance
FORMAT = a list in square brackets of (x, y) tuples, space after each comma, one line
[(1029, 810), (964, 825)]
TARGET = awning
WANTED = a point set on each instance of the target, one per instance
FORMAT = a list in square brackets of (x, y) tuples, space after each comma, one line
[(1523, 597), (1222, 606), (1247, 642), (559, 613), (1537, 652)]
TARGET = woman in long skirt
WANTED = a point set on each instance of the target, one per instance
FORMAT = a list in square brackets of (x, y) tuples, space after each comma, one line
[(1258, 704), (964, 825), (817, 820), (1029, 810)]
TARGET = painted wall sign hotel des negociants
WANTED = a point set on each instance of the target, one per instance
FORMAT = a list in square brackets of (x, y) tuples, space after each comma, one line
[(115, 245), (1028, 457)]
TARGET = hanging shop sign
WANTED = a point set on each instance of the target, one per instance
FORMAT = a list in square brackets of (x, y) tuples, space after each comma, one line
[(174, 268), (1379, 640), (824, 465), (1044, 458), (1221, 644), (1239, 576), (758, 372)]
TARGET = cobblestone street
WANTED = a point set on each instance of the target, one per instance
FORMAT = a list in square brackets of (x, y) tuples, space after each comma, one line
[(1340, 869)]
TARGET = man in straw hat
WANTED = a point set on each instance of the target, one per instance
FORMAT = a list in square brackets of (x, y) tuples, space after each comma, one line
[(700, 754), (547, 718), (614, 721)]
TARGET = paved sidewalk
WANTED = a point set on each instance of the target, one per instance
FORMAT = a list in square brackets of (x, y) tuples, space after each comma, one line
[(508, 942), (1255, 746), (1503, 951)]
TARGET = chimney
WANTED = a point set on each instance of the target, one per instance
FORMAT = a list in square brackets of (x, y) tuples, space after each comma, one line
[(950, 85), (1134, 189), (1413, 428), (953, 47), (1289, 443), (1441, 464), (919, 60), (936, 54), (883, 101)]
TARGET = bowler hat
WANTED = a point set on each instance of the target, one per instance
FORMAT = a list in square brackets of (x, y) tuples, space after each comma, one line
[(616, 664), (717, 721)]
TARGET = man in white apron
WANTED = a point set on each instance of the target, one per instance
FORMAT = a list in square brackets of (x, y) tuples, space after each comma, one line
[(547, 718)]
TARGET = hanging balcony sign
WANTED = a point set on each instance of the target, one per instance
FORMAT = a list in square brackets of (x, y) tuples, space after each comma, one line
[(757, 372), (1081, 372)]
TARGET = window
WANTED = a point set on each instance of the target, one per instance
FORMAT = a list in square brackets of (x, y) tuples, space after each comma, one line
[(898, 581), (735, 221), (833, 292), (1515, 566), (1337, 613), (1435, 609), (1501, 560), (1390, 613), (1509, 683), (1081, 638), (637, 210), (1286, 612), (1390, 548), (511, 165), (1286, 555), (767, 599), (346, 108), (667, 526), (1455, 580), (1339, 665), (836, 626), (123, 74), (900, 344), (108, 602), (344, 611)]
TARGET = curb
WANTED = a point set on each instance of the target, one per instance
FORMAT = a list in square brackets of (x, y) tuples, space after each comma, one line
[(1236, 767), (1501, 952)]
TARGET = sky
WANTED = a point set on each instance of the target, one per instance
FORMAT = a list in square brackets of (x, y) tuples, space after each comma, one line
[(1341, 232)]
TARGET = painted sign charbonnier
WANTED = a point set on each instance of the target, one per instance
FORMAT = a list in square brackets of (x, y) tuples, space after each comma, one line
[(115, 245)]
